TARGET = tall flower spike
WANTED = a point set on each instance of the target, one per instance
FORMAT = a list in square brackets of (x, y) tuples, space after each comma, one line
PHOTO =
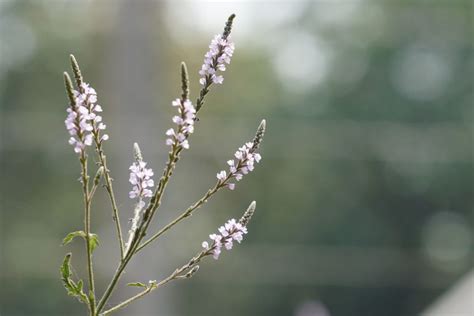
[(228, 233), (246, 157), (140, 178), (220, 52), (186, 118), (82, 122), (77, 121)]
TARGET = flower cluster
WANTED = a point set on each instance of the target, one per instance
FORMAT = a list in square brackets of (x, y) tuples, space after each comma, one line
[(185, 121), (232, 230), (82, 121), (140, 178), (246, 158), (220, 52)]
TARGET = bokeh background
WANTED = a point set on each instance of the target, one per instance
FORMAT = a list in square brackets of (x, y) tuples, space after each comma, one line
[(365, 192)]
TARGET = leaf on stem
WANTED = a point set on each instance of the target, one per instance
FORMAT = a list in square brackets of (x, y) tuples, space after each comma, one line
[(71, 287), (94, 239)]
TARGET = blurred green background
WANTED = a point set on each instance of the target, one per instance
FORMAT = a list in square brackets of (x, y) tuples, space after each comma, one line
[(365, 191)]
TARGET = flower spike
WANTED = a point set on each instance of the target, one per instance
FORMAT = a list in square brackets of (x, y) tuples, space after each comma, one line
[(246, 157), (228, 233), (186, 118)]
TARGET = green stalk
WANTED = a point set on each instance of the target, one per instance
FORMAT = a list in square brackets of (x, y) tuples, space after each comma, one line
[(87, 224)]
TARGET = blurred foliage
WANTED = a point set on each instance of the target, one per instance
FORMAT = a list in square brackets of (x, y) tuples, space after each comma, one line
[(364, 196)]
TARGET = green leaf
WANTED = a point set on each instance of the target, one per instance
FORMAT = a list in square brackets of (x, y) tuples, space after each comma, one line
[(73, 235), (71, 287), (65, 267), (139, 284), (94, 240)]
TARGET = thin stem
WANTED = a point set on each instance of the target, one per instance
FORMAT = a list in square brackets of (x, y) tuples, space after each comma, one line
[(112, 284), (152, 207), (128, 301), (140, 233), (87, 224), (110, 191), (177, 274), (184, 215)]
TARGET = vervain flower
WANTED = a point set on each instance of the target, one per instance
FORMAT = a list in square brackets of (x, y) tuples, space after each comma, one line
[(230, 232), (82, 122), (140, 178), (220, 52), (244, 163), (185, 121), (246, 157)]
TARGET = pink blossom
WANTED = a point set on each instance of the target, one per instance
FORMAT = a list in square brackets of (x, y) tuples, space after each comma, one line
[(220, 52), (185, 121), (82, 121), (140, 178), (228, 233), (246, 157)]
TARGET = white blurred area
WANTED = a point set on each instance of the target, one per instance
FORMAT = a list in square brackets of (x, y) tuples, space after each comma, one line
[(301, 60), (422, 73), (457, 301), (311, 308)]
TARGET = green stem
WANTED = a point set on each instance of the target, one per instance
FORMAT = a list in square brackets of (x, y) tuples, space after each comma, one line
[(150, 210), (110, 191), (140, 233), (184, 215), (173, 276), (87, 224)]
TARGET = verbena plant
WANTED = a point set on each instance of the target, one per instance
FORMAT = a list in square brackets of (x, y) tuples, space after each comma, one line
[(86, 128)]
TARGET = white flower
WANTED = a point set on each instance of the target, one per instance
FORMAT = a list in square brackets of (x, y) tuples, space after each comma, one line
[(219, 54), (228, 233), (82, 121), (140, 178), (245, 163), (221, 175), (185, 121)]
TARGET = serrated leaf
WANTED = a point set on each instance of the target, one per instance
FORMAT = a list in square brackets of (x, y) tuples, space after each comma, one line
[(139, 284), (73, 235)]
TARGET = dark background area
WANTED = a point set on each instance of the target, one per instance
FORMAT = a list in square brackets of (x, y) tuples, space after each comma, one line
[(365, 191)]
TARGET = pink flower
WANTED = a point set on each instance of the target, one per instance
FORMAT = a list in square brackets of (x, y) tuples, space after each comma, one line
[(185, 121), (246, 157), (140, 178), (82, 121), (220, 52), (228, 233)]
